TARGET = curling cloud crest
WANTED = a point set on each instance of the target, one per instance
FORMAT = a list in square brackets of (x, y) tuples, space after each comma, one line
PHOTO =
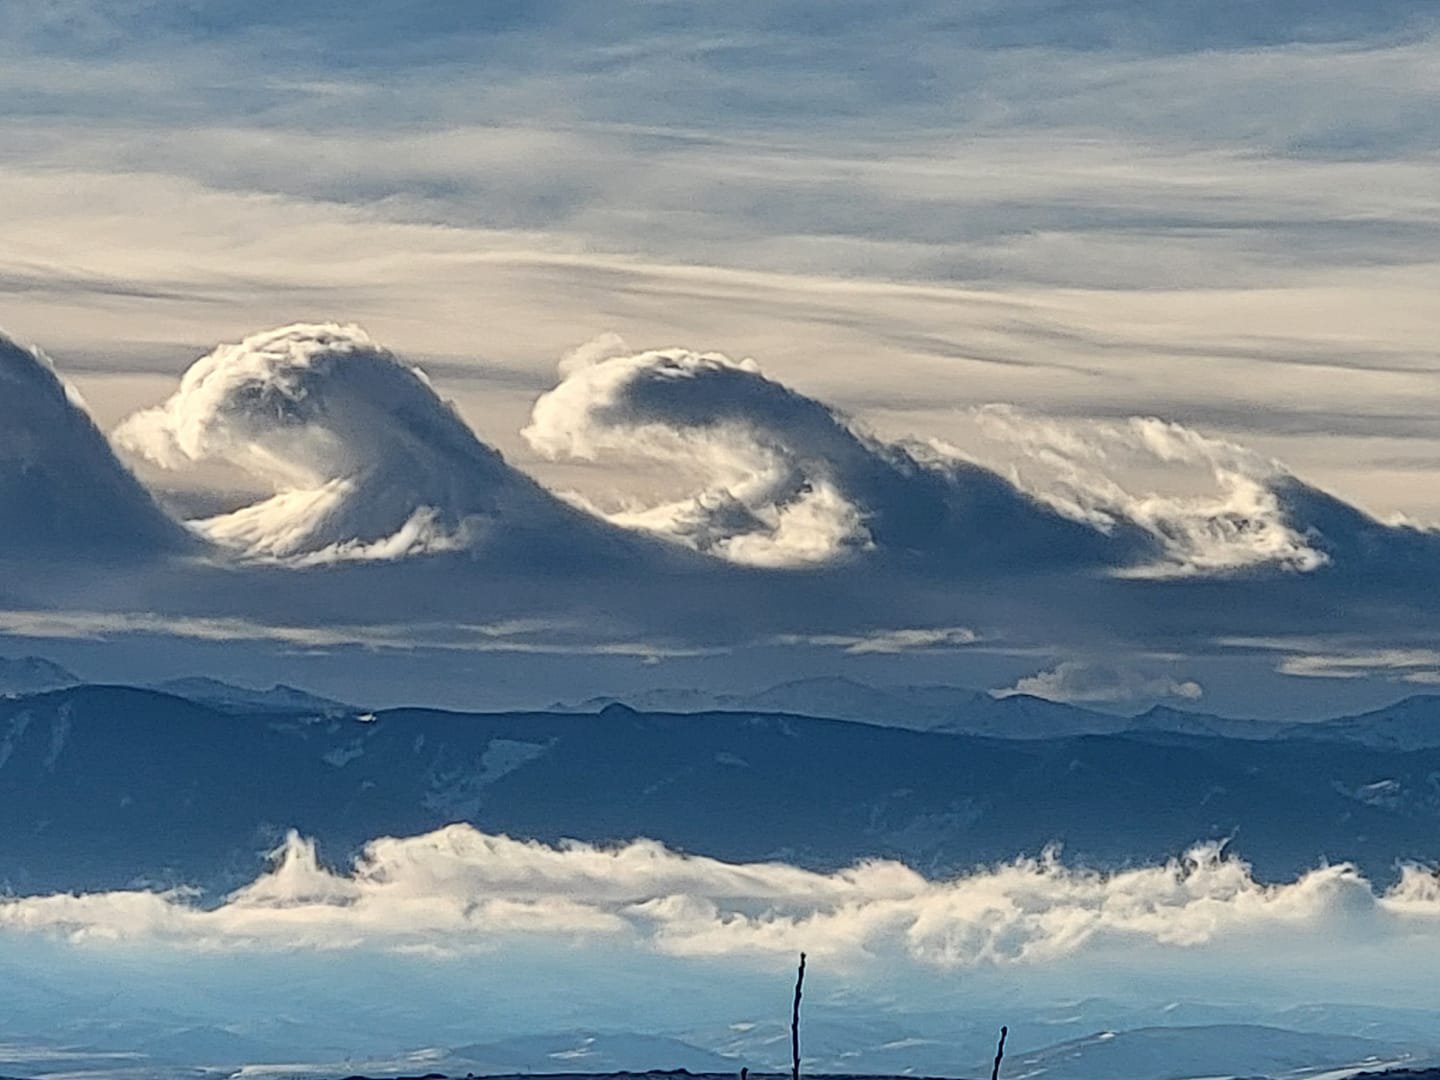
[(768, 456), (458, 890), (787, 481), (1241, 523), (366, 461)]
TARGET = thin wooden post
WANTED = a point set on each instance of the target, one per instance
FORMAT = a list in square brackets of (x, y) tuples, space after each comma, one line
[(999, 1053), (795, 1023)]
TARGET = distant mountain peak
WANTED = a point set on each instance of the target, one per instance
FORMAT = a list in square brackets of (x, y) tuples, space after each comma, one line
[(279, 698), (33, 675), (618, 709)]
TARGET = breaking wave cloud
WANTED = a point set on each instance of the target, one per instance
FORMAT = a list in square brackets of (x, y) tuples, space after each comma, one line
[(789, 481), (401, 513), (366, 460)]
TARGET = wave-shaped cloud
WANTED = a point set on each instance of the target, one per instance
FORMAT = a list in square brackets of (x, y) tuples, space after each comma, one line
[(459, 890), (62, 490), (366, 460), (1241, 523), (425, 525), (787, 480)]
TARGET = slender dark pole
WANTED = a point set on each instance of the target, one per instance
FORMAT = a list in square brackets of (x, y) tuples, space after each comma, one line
[(795, 1023), (999, 1053)]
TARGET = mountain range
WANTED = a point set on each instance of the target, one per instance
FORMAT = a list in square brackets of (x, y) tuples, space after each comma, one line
[(1409, 724), (32, 675), (278, 698), (109, 786)]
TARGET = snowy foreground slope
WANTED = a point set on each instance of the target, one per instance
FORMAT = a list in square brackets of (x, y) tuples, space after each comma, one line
[(1246, 1051)]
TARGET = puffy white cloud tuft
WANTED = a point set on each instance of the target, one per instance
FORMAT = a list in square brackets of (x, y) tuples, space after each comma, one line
[(1080, 682), (366, 461)]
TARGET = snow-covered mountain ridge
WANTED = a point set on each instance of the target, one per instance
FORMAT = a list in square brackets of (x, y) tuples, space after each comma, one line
[(152, 787)]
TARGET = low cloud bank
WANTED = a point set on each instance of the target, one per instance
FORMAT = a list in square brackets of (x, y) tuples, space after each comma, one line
[(458, 890)]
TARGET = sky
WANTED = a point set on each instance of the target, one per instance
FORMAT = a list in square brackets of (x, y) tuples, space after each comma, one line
[(492, 355), (1076, 348)]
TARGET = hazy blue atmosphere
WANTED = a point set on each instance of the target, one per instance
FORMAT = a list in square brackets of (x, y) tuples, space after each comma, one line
[(950, 487)]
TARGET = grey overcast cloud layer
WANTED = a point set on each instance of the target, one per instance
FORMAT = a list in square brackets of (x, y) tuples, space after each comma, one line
[(965, 244)]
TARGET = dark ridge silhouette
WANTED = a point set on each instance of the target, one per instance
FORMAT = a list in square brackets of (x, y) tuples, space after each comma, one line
[(823, 791)]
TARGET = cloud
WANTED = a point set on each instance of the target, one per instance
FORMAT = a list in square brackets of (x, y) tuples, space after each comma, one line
[(787, 481), (458, 890), (914, 639), (367, 462), (393, 526), (1408, 665), (1082, 682), (539, 637), (62, 491), (1242, 523)]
